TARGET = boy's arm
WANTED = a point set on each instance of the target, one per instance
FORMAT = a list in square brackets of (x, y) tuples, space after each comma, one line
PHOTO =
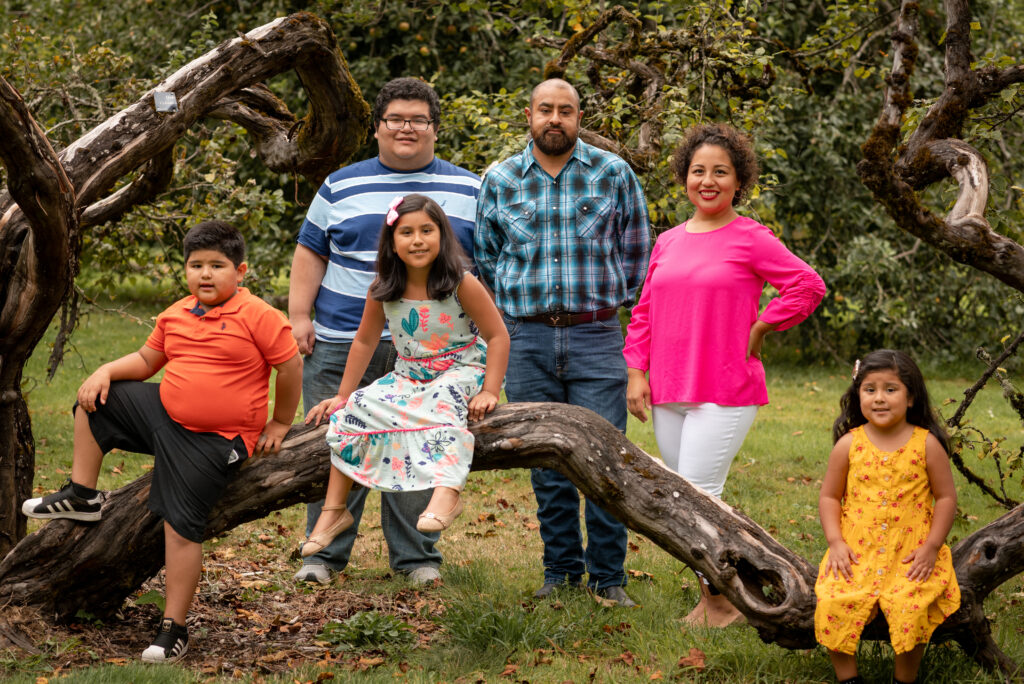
[(139, 365), (287, 389)]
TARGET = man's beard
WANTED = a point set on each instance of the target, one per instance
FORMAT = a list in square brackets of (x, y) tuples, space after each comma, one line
[(556, 145)]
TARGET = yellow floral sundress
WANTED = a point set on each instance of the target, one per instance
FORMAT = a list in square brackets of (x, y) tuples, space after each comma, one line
[(886, 513)]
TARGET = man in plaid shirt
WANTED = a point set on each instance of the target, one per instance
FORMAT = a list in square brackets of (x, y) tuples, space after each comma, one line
[(563, 238)]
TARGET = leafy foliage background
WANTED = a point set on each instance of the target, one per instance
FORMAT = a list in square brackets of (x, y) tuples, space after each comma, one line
[(804, 78)]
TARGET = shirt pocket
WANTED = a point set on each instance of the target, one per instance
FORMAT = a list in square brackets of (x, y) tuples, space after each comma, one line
[(518, 220), (594, 218)]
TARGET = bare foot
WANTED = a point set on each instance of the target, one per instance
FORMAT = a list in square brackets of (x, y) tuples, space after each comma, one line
[(714, 611)]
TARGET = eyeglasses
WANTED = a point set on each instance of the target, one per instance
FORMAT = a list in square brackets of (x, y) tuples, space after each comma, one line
[(397, 123)]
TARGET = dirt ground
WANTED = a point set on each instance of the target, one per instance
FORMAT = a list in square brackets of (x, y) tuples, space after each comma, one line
[(248, 618)]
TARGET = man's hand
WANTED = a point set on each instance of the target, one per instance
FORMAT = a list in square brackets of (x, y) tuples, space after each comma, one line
[(302, 331), (271, 438)]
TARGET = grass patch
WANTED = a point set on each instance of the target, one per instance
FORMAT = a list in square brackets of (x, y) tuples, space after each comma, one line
[(482, 624)]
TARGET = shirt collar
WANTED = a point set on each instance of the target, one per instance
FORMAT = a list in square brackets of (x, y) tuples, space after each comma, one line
[(230, 306), (581, 153)]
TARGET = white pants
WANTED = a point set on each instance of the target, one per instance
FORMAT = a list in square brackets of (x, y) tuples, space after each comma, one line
[(699, 441)]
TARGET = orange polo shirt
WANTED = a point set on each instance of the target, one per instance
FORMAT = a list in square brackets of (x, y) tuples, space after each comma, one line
[(218, 363)]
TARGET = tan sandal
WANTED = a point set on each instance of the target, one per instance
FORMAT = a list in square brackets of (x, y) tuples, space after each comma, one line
[(436, 522), (318, 542)]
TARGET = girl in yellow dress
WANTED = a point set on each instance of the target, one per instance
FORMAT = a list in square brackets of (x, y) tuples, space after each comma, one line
[(886, 542)]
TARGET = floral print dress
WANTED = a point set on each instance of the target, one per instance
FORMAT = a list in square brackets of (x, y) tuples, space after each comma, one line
[(886, 513), (407, 430)]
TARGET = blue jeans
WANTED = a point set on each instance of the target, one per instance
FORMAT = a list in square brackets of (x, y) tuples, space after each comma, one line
[(580, 365), (408, 548)]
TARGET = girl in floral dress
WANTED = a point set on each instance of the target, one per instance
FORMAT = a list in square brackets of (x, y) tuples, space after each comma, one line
[(886, 541), (408, 430)]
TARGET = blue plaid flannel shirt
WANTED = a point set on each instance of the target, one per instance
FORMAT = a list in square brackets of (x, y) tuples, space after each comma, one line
[(579, 242)]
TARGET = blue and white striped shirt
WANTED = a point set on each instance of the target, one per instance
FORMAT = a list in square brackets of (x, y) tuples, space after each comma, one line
[(579, 242), (344, 221)]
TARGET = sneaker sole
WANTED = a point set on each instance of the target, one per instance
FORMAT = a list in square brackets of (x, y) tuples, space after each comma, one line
[(156, 660), (69, 515)]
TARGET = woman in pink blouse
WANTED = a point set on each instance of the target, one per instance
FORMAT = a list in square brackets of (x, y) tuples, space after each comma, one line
[(693, 345)]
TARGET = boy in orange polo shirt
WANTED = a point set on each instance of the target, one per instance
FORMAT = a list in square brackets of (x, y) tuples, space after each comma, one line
[(208, 414)]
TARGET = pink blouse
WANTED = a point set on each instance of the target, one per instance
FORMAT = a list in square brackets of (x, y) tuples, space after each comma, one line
[(691, 327)]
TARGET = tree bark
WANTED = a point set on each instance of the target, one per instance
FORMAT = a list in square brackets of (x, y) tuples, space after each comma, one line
[(895, 173), (65, 566), (50, 198)]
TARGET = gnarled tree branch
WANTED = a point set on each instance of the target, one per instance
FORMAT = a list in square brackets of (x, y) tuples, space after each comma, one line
[(51, 197), (62, 567)]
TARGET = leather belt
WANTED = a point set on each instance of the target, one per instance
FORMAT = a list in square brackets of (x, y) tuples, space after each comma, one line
[(563, 319)]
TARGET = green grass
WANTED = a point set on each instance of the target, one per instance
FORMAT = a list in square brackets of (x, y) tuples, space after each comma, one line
[(489, 625)]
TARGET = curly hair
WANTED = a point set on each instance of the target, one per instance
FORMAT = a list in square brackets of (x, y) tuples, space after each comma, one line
[(407, 88), (738, 144)]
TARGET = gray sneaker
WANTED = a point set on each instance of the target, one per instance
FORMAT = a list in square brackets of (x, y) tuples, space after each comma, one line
[(313, 572), (617, 594), (425, 574)]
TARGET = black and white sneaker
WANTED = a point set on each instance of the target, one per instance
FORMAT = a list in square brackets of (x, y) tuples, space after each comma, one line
[(170, 645), (64, 504)]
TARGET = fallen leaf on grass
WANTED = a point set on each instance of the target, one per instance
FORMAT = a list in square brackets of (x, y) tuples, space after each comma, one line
[(509, 670), (656, 676), (366, 662), (531, 525), (695, 660), (641, 575), (621, 627), (625, 657)]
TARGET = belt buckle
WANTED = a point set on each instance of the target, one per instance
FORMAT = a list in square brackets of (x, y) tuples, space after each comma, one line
[(554, 318)]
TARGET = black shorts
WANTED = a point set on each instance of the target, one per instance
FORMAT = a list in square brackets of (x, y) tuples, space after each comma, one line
[(191, 469)]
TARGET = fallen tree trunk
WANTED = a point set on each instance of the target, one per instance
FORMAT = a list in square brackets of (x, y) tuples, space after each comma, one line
[(65, 567)]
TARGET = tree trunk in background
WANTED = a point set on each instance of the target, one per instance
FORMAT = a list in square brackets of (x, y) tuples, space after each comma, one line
[(51, 198)]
